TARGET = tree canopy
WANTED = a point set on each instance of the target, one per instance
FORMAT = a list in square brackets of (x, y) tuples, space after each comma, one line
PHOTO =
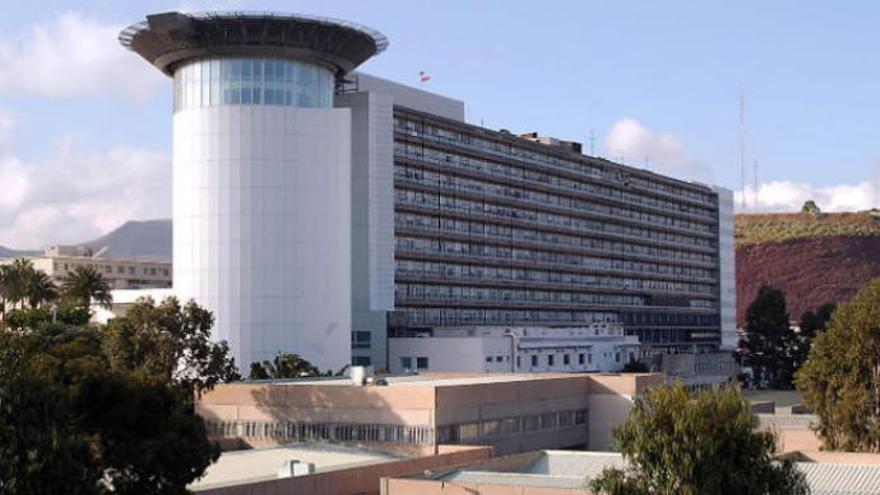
[(86, 409), (811, 207), (85, 284), (23, 286), (678, 444), (770, 342), (841, 377), (169, 341), (812, 322), (284, 365)]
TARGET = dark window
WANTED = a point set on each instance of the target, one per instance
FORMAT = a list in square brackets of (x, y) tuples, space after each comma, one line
[(534, 361), (550, 359), (566, 360), (360, 339), (580, 359), (422, 363), (361, 361), (406, 363)]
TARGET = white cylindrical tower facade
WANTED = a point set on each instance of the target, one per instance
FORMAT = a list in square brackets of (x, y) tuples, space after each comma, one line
[(261, 179)]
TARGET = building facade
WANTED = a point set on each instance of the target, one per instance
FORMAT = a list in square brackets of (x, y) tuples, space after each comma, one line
[(318, 210), (600, 347), (512, 412), (120, 273), (262, 174), (496, 229)]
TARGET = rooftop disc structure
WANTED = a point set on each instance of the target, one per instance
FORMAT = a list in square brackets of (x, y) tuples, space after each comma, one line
[(262, 174)]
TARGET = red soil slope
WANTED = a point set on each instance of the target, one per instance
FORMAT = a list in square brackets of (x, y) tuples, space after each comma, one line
[(810, 271)]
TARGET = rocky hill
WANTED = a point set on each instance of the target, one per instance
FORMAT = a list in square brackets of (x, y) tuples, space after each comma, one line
[(812, 258), (148, 239)]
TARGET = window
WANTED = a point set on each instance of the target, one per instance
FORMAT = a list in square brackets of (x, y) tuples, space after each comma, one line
[(422, 363), (360, 339), (616, 357), (499, 359), (518, 362), (566, 360), (361, 361), (406, 363), (469, 432), (580, 359), (488, 359), (534, 361), (550, 359), (491, 428), (590, 358)]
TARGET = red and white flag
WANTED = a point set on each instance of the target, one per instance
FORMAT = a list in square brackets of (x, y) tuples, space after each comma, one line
[(423, 77)]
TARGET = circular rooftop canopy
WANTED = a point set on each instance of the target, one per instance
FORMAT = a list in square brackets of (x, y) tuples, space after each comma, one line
[(167, 39)]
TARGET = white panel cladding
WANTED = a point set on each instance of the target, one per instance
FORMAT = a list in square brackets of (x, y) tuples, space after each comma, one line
[(372, 192), (415, 98), (262, 227), (727, 268)]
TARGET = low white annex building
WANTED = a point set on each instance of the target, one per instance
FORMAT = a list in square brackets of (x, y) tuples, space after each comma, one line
[(598, 347)]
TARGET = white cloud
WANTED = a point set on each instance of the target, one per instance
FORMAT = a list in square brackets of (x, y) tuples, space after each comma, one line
[(636, 144), (73, 197), (74, 57), (787, 196)]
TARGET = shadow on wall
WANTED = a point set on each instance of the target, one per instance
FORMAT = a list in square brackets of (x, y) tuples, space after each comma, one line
[(397, 420)]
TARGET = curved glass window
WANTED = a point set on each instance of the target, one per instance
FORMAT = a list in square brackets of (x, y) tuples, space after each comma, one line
[(247, 81)]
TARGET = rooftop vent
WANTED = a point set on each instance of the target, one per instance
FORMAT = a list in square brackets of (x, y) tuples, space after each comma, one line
[(293, 467)]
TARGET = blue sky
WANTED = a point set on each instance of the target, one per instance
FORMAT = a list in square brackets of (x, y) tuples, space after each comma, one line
[(655, 82)]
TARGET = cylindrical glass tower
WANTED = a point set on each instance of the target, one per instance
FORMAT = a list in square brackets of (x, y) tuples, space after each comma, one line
[(262, 175)]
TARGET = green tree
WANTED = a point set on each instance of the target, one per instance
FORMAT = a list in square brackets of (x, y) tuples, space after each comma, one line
[(810, 325), (170, 341), (284, 365), (635, 366), (74, 424), (40, 289), (40, 451), (15, 281), (841, 377), (678, 444), (85, 284), (22, 285), (769, 342), (811, 207)]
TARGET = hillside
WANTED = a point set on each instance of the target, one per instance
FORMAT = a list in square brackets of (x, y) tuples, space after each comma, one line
[(149, 239), (813, 259), (775, 227)]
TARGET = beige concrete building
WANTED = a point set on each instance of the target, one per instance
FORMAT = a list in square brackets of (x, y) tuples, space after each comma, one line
[(568, 473), (509, 412), (59, 261), (322, 469)]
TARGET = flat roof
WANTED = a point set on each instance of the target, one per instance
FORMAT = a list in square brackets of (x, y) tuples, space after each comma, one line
[(571, 469), (430, 379), (248, 466), (167, 39)]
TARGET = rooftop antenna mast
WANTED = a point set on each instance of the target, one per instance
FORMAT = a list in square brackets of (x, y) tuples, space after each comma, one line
[(755, 198), (742, 145)]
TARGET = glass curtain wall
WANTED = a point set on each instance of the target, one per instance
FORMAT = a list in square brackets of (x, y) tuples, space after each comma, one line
[(244, 81)]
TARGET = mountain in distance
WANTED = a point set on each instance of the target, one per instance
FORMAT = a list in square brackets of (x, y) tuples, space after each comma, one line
[(147, 239), (6, 252), (812, 258)]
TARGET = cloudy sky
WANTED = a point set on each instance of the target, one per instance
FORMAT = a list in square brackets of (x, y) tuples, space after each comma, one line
[(85, 126)]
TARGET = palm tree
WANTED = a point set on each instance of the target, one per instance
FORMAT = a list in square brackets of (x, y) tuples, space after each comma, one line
[(85, 285), (40, 288), (16, 278), (4, 275)]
